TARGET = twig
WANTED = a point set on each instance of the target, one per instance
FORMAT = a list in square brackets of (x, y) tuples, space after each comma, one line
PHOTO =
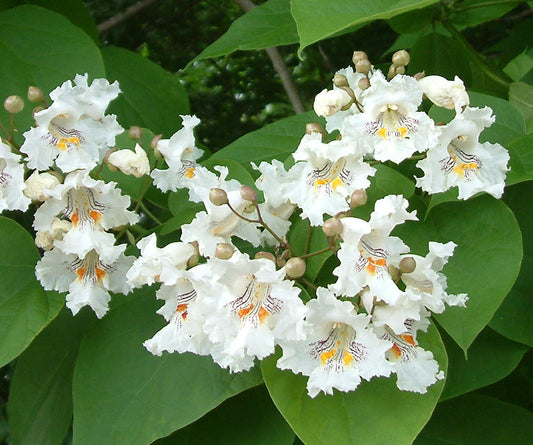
[(124, 15), (279, 65)]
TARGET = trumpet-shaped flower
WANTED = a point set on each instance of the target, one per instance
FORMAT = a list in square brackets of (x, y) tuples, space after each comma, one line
[(460, 160), (340, 347), (11, 181), (450, 94), (73, 131), (130, 162)]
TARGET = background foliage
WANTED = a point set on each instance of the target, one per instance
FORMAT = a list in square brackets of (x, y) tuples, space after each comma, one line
[(81, 380)]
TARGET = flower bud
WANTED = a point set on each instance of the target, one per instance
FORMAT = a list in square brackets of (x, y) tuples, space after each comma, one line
[(394, 272), (153, 145), (400, 70), (358, 198), (407, 264), (14, 104), (224, 251), (401, 58), (218, 196), (267, 255), (36, 110), (332, 227), (340, 80), (420, 75), (129, 162), (359, 55), (328, 102), (313, 127), (135, 132), (37, 183), (193, 260), (248, 193), (35, 94), (392, 72), (363, 66), (363, 83), (45, 240), (295, 267), (445, 93)]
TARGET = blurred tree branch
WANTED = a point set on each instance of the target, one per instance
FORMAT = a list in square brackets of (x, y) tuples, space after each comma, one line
[(124, 15)]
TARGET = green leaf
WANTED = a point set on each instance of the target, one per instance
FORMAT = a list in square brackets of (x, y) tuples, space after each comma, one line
[(320, 19), (249, 418), (274, 141), (432, 53), (40, 397), (151, 97), (521, 96), (412, 21), (41, 48), (490, 358), (269, 24), (514, 318), (485, 263), (117, 382), (25, 307), (517, 68), (477, 420), (473, 12), (235, 170), (375, 413)]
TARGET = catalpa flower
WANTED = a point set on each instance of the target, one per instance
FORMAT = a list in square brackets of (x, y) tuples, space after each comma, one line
[(460, 160), (340, 347), (368, 249), (11, 181), (73, 131), (390, 127), (254, 309), (325, 177), (87, 279), (450, 94)]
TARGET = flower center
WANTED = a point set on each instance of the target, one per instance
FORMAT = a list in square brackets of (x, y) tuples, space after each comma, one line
[(461, 163), (61, 136), (90, 270), (82, 208), (373, 260), (330, 176), (391, 124)]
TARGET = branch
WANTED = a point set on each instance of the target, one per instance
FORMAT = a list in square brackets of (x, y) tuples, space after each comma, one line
[(279, 65), (123, 16)]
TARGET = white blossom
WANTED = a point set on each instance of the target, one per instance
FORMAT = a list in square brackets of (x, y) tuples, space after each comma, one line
[(450, 94), (129, 162), (11, 181)]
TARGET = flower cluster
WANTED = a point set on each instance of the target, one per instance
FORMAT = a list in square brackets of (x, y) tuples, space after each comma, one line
[(361, 322)]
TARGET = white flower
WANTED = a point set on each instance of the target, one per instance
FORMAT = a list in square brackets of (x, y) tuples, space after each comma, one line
[(87, 279), (325, 177), (73, 131), (46, 239), (159, 264), (461, 160), (427, 284), (339, 350), (328, 102), (390, 127), (253, 310), (450, 94), (37, 183), (415, 367), (368, 249), (11, 181), (129, 162)]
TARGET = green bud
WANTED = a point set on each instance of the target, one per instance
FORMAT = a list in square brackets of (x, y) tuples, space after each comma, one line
[(358, 198), (135, 133), (340, 81), (267, 255), (248, 193), (363, 66), (363, 83), (359, 55), (224, 251)]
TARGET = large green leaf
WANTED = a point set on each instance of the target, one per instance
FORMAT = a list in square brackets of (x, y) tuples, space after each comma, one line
[(269, 24), (514, 318), (521, 96), (117, 382), (25, 307), (477, 420), (151, 97), (249, 418), (490, 358), (474, 12), (39, 47), (375, 413), (274, 141), (485, 263), (320, 19), (40, 397)]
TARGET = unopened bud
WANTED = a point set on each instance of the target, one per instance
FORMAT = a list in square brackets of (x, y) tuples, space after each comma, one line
[(14, 104), (313, 127), (363, 66), (407, 264), (135, 132), (401, 58), (248, 193), (363, 83), (266, 255), (37, 110), (359, 55), (224, 251), (295, 267), (193, 260), (35, 94), (218, 196), (420, 75), (358, 198), (340, 80), (392, 72), (328, 102), (394, 273), (130, 162), (400, 70), (38, 183), (153, 145), (332, 227)]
